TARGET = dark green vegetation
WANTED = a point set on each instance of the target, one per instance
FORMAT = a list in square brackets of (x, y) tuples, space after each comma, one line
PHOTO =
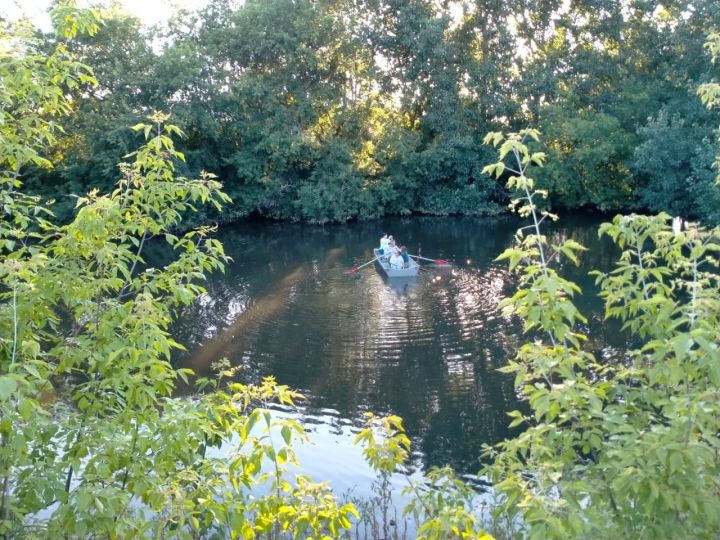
[(93, 443), (326, 110)]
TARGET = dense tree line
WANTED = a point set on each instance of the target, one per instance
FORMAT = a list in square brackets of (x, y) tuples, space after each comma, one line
[(328, 110)]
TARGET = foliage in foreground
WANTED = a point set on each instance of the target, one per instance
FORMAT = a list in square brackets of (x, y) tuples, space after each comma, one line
[(92, 442), (613, 449)]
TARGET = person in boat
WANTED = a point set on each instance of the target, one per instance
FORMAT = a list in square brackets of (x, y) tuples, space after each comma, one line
[(396, 261), (392, 246), (405, 256), (384, 240)]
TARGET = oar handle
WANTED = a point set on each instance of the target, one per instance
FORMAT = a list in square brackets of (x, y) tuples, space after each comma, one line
[(423, 258), (369, 262), (356, 268), (441, 262)]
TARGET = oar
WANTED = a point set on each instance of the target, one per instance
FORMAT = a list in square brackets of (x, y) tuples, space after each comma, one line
[(439, 262), (354, 270)]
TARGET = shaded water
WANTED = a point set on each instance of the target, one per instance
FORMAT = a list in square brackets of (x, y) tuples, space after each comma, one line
[(424, 348)]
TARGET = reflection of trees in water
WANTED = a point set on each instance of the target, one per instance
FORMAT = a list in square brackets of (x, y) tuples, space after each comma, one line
[(416, 357), (237, 336), (265, 255), (466, 402), (428, 350)]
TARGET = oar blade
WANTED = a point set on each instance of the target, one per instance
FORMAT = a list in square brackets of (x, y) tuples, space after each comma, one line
[(356, 268)]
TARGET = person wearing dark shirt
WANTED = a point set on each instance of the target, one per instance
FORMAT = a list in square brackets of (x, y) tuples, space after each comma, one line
[(405, 256)]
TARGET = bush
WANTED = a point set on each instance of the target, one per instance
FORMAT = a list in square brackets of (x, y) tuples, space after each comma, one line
[(624, 449)]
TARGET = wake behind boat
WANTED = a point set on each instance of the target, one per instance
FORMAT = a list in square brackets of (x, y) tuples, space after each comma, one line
[(394, 271)]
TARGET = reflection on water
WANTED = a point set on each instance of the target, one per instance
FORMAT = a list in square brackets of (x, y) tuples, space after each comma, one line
[(425, 348)]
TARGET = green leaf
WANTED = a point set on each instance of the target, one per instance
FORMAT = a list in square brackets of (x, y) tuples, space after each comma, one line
[(286, 434), (7, 387)]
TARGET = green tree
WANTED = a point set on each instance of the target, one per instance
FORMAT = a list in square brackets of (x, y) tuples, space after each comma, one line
[(621, 449), (674, 164), (710, 92), (92, 442), (329, 111), (613, 67), (95, 135), (277, 108)]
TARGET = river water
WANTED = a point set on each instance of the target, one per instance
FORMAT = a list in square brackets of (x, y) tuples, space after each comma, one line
[(425, 348)]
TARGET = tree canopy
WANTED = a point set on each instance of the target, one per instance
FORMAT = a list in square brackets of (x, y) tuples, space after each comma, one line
[(332, 110)]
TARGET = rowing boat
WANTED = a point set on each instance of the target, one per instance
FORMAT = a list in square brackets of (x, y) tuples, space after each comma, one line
[(382, 262)]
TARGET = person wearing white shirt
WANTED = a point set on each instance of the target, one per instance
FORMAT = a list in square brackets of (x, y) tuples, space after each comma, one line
[(384, 243), (392, 247), (396, 261)]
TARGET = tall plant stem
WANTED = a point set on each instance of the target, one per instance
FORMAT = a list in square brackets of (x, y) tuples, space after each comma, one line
[(132, 453), (68, 478), (15, 327), (642, 268), (417, 494), (132, 269), (4, 502), (531, 204), (536, 225), (692, 316)]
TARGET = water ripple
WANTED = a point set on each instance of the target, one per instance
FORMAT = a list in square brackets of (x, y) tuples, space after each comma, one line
[(426, 348)]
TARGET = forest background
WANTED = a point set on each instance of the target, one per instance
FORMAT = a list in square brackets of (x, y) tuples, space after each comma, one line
[(326, 111)]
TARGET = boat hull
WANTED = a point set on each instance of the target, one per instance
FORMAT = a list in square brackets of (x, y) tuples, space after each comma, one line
[(384, 265)]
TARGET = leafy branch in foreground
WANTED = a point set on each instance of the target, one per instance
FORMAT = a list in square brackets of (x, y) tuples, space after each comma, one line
[(441, 504), (615, 449), (710, 92), (92, 441)]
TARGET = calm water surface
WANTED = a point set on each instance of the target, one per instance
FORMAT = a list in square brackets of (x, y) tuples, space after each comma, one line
[(424, 348)]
